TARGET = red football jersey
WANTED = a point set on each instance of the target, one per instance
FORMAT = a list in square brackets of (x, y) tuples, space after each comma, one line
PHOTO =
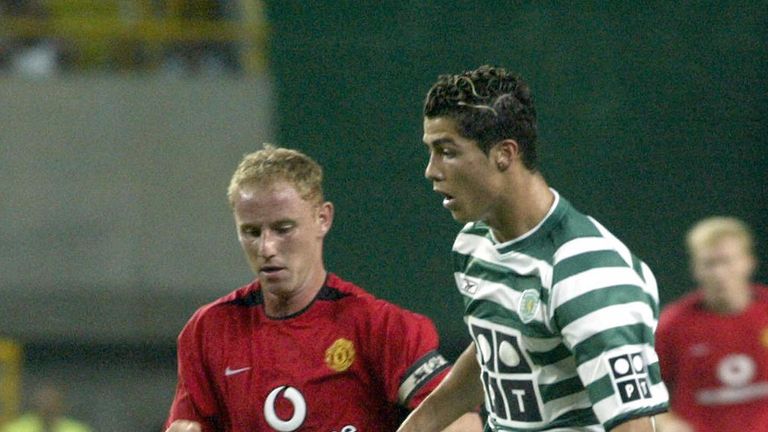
[(716, 365), (343, 364)]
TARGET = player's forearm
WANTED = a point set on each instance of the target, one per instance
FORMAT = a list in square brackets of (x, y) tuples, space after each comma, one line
[(643, 424), (460, 392), (184, 426), (469, 422), (670, 422)]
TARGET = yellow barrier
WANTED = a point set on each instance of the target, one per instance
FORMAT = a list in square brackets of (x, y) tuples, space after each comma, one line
[(148, 30), (80, 29), (10, 379)]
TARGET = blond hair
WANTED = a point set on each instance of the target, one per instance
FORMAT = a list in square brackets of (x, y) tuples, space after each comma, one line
[(709, 231), (272, 164)]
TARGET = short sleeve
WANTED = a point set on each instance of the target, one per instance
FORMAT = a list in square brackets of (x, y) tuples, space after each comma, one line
[(606, 314), (194, 399), (406, 344)]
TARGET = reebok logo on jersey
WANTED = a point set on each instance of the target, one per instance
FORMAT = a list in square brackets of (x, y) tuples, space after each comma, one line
[(229, 372), (469, 287), (629, 373)]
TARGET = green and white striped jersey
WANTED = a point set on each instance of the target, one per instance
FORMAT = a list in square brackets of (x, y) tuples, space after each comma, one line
[(563, 321)]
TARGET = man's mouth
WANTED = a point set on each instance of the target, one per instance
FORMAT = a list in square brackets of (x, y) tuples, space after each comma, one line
[(270, 270), (448, 199)]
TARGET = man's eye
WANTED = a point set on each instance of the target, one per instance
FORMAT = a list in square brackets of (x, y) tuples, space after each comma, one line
[(448, 153), (284, 229), (251, 232)]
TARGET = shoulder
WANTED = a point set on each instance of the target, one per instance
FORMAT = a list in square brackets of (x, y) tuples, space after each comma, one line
[(573, 224), (360, 296), (378, 312), (346, 289), (761, 293), (679, 310), (220, 309), (581, 243), (247, 295)]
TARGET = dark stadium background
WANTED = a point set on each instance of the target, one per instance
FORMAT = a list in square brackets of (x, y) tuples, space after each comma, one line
[(115, 225)]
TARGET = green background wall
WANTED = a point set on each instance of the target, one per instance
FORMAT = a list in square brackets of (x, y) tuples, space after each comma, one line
[(650, 118)]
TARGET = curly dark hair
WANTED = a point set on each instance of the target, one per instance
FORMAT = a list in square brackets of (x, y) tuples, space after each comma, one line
[(489, 105)]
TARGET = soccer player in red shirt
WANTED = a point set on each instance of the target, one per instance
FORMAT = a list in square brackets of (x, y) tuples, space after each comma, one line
[(298, 348), (713, 343)]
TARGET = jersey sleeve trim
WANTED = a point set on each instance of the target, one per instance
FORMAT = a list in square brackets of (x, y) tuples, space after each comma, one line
[(422, 372)]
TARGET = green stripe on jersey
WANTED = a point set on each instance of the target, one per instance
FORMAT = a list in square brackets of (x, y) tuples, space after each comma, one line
[(585, 304), (575, 227), (593, 346), (586, 261), (546, 358), (550, 392), (497, 273)]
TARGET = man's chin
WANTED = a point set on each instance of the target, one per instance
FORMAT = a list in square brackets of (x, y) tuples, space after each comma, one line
[(273, 287), (461, 217)]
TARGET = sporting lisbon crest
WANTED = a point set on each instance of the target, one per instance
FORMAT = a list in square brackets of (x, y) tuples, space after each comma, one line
[(529, 305), (340, 355)]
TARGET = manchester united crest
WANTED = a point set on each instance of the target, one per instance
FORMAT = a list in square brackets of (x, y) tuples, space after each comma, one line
[(340, 355)]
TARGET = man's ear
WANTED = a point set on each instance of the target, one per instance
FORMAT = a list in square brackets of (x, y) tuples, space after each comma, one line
[(325, 217), (505, 153)]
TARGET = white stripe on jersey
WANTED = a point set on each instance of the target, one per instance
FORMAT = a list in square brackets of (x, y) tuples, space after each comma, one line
[(595, 322)]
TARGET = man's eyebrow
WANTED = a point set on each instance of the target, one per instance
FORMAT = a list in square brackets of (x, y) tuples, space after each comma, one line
[(283, 222), (441, 142)]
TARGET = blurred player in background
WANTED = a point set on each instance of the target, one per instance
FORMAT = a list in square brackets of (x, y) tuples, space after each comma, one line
[(47, 414), (713, 343), (298, 348), (561, 313)]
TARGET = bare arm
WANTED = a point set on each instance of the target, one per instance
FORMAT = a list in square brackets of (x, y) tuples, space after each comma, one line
[(469, 422), (670, 422), (642, 424), (184, 426), (460, 392)]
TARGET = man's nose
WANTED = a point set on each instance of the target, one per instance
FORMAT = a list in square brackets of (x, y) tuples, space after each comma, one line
[(432, 172), (267, 244)]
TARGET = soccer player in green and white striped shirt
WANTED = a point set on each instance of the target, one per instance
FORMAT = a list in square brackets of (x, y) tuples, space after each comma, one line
[(561, 313)]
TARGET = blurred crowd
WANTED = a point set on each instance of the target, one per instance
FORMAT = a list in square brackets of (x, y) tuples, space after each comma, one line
[(42, 38)]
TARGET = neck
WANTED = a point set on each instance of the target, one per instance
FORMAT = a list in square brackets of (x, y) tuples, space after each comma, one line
[(523, 204), (734, 304), (285, 304)]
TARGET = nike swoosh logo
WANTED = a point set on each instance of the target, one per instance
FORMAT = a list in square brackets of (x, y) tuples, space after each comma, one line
[(230, 372)]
